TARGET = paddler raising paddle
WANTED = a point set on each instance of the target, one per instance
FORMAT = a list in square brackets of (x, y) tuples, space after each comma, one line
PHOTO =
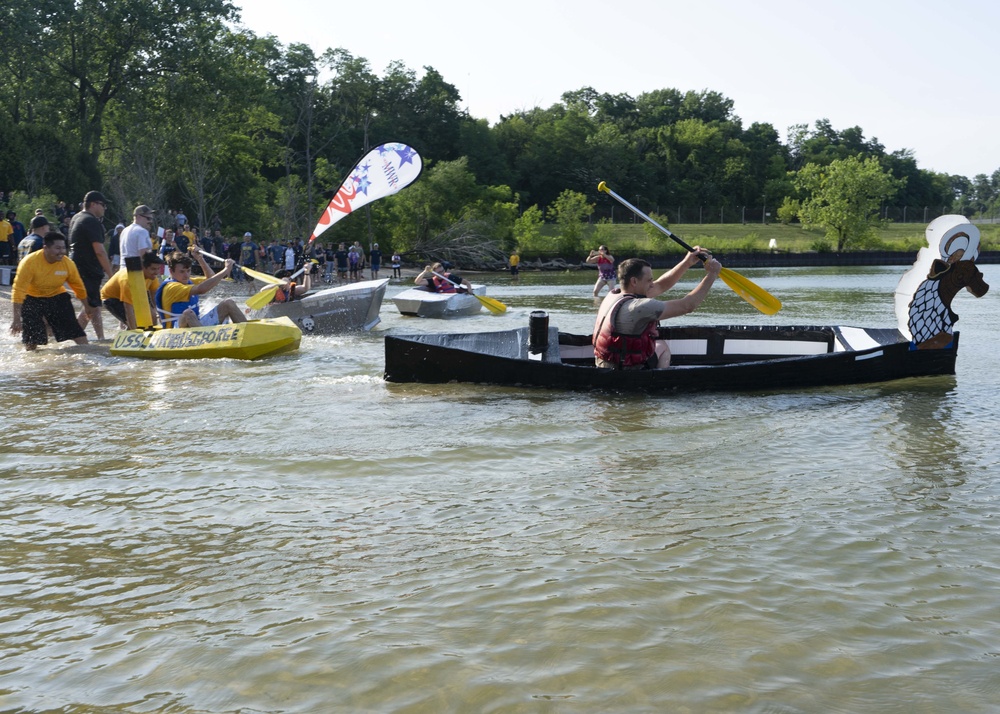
[(627, 328), (177, 298)]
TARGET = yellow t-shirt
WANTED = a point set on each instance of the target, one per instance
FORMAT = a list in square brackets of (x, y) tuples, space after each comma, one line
[(515, 260), (6, 230), (39, 278), (117, 287)]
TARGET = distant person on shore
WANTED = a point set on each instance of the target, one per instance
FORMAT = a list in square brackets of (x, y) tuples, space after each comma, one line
[(39, 296), (375, 260), (397, 265), (627, 327), (605, 268), (515, 266)]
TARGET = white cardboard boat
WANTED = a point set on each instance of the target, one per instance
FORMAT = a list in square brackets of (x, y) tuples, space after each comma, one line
[(421, 302)]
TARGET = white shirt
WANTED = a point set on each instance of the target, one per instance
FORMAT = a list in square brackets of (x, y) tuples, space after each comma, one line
[(133, 239), (289, 259)]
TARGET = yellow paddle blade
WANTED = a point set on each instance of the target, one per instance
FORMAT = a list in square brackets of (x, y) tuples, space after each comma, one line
[(751, 292), (263, 277), (264, 297), (494, 306)]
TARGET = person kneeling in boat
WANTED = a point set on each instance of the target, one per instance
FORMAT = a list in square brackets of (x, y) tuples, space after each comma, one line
[(435, 279), (117, 295), (177, 298), (627, 326)]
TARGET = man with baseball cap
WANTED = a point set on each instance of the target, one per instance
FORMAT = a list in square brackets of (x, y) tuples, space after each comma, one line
[(35, 239), (86, 240), (135, 239), (117, 295)]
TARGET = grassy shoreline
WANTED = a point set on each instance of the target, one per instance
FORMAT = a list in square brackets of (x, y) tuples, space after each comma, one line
[(749, 238)]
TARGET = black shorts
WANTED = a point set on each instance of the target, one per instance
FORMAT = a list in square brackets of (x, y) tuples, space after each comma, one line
[(56, 311), (117, 308), (93, 286)]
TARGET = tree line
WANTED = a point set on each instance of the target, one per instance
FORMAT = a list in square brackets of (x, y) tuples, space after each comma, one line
[(173, 104)]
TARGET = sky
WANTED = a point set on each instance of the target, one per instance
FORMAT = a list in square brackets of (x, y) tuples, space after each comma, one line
[(915, 75)]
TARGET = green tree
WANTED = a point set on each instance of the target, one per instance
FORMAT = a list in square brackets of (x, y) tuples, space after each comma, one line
[(845, 197), (423, 217), (528, 229), (570, 211), (660, 241), (94, 52)]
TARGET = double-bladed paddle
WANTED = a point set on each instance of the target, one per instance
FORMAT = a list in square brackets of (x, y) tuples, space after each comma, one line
[(746, 289)]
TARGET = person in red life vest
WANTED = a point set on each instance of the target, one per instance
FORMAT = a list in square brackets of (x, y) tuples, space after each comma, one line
[(627, 326), (436, 279), (288, 290)]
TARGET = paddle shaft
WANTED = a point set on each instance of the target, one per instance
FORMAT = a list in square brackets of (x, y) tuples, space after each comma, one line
[(752, 293), (643, 216), (457, 285), (494, 306)]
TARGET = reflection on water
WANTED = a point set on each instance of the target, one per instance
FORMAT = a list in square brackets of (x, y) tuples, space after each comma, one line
[(295, 535)]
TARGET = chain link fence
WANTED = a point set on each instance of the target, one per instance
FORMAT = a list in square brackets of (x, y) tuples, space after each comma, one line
[(688, 215)]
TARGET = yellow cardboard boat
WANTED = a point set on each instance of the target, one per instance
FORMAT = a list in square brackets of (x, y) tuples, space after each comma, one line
[(245, 340)]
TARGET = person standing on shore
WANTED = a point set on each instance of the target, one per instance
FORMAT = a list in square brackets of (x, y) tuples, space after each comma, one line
[(34, 240), (375, 259), (135, 239), (86, 241), (515, 266)]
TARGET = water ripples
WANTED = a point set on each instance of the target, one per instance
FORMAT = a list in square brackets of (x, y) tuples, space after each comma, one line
[(298, 536)]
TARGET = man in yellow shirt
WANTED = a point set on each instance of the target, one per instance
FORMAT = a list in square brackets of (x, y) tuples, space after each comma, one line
[(39, 295), (6, 231), (117, 296)]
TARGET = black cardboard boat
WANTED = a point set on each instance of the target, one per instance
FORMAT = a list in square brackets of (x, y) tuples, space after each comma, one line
[(727, 358), (719, 358)]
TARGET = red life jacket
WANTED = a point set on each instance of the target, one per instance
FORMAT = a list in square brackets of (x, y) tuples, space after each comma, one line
[(620, 349), (285, 295), (442, 286)]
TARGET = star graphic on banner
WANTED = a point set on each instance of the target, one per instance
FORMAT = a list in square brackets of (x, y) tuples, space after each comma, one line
[(406, 154), (363, 184)]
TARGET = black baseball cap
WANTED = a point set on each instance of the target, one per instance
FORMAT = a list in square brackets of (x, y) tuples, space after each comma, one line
[(39, 221), (94, 197)]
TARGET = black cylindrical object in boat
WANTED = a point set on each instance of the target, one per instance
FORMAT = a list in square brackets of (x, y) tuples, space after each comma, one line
[(538, 331)]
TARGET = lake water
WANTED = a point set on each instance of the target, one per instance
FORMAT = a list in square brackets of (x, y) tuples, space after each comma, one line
[(296, 535)]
